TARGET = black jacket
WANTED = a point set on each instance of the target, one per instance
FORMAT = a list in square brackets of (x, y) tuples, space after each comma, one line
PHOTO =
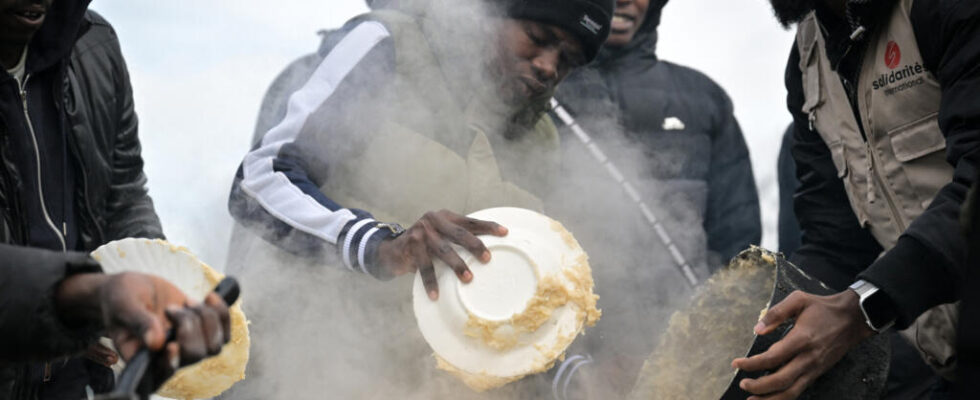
[(29, 322), (926, 267), (671, 131), (79, 95), (31, 329), (789, 226), (76, 57), (701, 170)]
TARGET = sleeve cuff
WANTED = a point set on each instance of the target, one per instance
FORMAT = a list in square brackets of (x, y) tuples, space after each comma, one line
[(42, 330), (914, 277), (358, 247)]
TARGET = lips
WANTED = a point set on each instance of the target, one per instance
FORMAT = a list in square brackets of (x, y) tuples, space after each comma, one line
[(622, 22), (30, 16), (534, 87)]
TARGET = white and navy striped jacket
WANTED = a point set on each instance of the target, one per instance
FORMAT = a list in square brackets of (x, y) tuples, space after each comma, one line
[(276, 190)]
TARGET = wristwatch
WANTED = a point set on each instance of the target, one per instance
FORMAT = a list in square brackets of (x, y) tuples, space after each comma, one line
[(878, 310), (392, 229)]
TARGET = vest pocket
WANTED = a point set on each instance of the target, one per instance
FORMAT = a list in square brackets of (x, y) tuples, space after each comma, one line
[(918, 152), (917, 139)]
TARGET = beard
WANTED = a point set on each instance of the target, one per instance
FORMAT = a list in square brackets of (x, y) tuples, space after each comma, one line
[(789, 12)]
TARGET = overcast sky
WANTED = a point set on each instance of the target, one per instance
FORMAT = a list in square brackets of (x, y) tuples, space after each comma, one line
[(199, 70)]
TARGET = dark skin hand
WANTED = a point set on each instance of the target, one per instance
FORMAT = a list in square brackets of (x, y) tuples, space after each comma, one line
[(826, 328), (138, 309), (102, 355), (430, 238)]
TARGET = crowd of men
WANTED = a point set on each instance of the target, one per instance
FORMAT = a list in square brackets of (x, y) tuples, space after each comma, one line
[(422, 111)]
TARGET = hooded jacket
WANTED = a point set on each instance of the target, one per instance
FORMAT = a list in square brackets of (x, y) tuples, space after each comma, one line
[(696, 159), (670, 130), (79, 101)]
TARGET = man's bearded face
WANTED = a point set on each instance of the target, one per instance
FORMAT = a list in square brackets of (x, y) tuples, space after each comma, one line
[(789, 12)]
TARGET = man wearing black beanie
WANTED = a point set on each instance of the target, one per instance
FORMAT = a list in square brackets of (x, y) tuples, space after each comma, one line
[(440, 108), (585, 19)]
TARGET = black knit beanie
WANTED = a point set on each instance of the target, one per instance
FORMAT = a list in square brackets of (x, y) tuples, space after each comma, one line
[(586, 19)]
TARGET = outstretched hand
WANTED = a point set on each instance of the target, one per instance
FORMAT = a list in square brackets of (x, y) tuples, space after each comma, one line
[(826, 328), (430, 238)]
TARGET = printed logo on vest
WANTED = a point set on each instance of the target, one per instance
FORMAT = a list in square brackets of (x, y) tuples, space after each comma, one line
[(898, 79), (893, 55), (590, 25)]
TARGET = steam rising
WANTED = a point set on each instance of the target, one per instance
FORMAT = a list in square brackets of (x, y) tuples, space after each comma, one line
[(320, 331)]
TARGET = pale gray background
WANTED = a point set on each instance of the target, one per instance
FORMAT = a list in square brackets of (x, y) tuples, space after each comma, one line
[(199, 70)]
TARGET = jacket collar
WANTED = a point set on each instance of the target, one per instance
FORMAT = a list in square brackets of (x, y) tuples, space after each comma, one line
[(843, 33)]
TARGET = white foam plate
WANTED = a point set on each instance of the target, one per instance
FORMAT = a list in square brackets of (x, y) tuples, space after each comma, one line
[(177, 265), (532, 249)]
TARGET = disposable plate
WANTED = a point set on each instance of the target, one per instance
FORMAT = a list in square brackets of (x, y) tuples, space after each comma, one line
[(176, 264), (522, 309)]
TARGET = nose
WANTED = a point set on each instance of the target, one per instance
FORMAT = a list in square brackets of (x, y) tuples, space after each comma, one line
[(546, 66)]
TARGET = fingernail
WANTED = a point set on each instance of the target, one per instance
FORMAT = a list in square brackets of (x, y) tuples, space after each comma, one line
[(433, 295), (741, 384), (467, 275), (485, 256), (759, 327), (502, 230)]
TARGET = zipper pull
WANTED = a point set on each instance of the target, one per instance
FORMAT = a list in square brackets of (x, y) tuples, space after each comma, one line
[(47, 372), (858, 33), (812, 118)]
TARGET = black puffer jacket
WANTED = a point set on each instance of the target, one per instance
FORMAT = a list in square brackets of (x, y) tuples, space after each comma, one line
[(76, 55), (700, 170), (670, 130)]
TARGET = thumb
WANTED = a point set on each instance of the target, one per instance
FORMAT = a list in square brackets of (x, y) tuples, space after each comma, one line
[(789, 308)]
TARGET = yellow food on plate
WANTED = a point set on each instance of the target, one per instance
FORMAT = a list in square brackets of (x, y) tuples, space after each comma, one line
[(176, 264)]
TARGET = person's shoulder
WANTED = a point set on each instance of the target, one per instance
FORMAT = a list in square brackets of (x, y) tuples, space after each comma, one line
[(691, 80), (95, 31), (95, 23)]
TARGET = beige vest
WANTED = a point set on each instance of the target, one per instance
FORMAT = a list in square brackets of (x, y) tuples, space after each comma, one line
[(893, 176)]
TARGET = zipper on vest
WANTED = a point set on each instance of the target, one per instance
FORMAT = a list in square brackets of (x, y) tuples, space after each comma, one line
[(37, 160), (889, 198)]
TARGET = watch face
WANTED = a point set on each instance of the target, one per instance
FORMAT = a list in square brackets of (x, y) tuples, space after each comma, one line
[(878, 308)]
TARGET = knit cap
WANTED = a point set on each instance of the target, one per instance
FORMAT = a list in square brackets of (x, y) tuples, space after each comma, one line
[(588, 20)]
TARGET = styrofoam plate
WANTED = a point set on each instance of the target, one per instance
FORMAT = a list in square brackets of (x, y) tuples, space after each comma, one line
[(177, 265), (535, 247)]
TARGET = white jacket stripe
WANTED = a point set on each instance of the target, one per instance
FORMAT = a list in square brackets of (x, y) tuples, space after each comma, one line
[(273, 190), (349, 239)]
